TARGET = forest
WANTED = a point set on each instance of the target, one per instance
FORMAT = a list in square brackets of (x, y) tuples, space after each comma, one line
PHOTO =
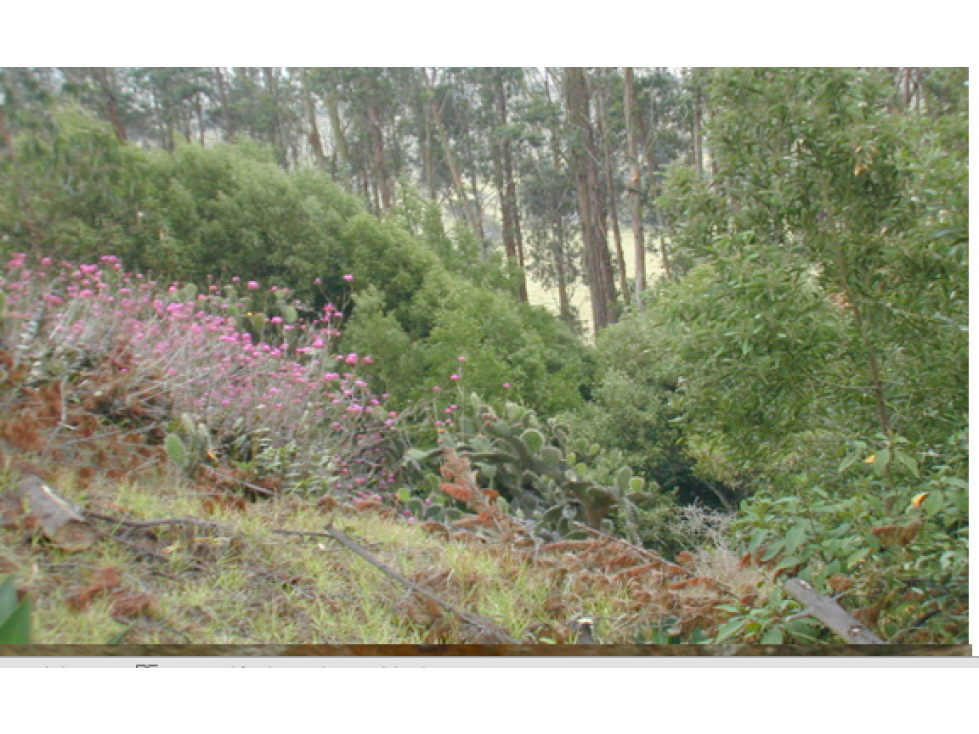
[(535, 355)]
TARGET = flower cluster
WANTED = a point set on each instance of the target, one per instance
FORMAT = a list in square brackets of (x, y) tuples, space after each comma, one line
[(243, 363)]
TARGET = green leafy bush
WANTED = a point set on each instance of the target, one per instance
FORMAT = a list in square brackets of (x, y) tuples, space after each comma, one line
[(891, 532)]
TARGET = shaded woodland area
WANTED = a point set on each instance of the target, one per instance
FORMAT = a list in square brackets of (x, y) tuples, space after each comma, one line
[(303, 290)]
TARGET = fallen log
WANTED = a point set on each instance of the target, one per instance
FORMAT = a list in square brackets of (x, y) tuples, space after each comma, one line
[(827, 611), (62, 524)]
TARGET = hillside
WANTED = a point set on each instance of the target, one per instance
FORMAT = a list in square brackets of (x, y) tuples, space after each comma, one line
[(221, 326)]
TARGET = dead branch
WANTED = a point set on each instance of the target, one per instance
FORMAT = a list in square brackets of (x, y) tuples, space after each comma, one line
[(243, 483), (827, 611), (155, 523), (641, 552), (499, 636)]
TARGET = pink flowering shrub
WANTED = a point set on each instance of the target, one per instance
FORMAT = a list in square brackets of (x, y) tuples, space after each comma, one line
[(265, 382)]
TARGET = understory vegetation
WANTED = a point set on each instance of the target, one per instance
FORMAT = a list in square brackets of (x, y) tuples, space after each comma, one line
[(290, 417)]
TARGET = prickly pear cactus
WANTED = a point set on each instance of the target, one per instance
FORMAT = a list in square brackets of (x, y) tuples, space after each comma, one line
[(188, 446), (540, 475)]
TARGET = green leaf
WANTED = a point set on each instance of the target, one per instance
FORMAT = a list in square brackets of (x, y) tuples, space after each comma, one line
[(15, 617), (637, 485), (881, 460), (290, 314), (833, 567), (933, 504), (730, 628), (908, 461), (773, 550), (847, 462), (789, 562), (802, 629), (772, 637), (794, 538), (857, 556)]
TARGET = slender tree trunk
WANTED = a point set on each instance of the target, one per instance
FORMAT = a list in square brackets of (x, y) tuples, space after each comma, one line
[(339, 136), (199, 109), (229, 130), (278, 136), (477, 201), (698, 136), (635, 184), (508, 210), (379, 158), (613, 209), (558, 251), (424, 122), (471, 214), (583, 157), (104, 77), (646, 147), (315, 141)]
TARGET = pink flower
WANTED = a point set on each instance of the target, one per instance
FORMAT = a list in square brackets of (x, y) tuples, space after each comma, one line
[(436, 388), (453, 377), (317, 282), (368, 360), (351, 358), (506, 385), (462, 359), (348, 277), (252, 285)]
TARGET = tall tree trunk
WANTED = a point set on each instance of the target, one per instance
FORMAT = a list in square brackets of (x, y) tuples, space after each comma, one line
[(315, 141), (340, 147), (635, 184), (379, 158), (646, 146), (472, 217), (698, 135), (613, 209), (199, 109), (503, 181), (557, 249), (229, 130), (583, 157), (104, 77), (278, 137)]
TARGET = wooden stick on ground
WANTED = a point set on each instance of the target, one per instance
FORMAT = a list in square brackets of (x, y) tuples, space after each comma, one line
[(155, 523), (827, 611), (499, 636)]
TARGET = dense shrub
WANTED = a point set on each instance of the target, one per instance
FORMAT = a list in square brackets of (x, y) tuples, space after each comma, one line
[(422, 297)]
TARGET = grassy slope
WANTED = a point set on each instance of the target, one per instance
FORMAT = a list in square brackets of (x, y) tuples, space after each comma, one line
[(244, 583)]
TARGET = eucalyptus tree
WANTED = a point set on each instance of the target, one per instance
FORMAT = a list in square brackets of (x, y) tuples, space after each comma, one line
[(584, 160), (834, 233), (547, 190)]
